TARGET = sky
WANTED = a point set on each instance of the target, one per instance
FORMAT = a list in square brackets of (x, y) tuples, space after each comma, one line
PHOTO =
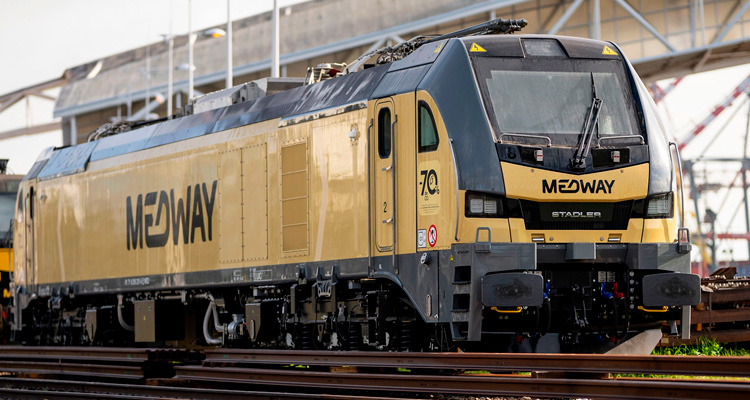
[(42, 38)]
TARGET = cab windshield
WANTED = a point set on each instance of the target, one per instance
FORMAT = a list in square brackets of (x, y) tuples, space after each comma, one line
[(552, 97)]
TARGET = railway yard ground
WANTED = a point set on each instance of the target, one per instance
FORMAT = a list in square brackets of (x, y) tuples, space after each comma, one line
[(90, 372), (98, 372), (700, 368)]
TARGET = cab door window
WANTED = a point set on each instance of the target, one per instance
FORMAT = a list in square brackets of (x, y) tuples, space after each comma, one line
[(428, 138), (384, 133)]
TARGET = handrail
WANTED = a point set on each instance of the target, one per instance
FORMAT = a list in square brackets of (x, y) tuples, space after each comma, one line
[(369, 198), (393, 192), (682, 190), (523, 135), (639, 137), (458, 196)]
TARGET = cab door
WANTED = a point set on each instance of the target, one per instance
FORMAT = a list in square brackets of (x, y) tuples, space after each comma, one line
[(436, 188), (384, 173), (29, 209)]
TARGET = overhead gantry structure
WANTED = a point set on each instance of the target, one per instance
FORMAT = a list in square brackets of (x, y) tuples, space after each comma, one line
[(665, 39)]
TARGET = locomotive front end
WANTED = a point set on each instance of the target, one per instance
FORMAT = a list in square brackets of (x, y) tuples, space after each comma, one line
[(591, 246)]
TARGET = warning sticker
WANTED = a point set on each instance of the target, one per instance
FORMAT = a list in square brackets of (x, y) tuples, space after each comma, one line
[(608, 51), (440, 46), (422, 238), (428, 188), (432, 235), (477, 48)]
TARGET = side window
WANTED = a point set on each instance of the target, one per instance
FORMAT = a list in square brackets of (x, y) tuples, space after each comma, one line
[(19, 206), (428, 138), (384, 133)]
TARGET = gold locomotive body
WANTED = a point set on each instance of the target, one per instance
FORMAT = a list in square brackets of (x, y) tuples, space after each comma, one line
[(363, 210)]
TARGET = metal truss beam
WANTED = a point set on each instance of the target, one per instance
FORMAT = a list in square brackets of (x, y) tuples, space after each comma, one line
[(624, 4), (35, 89), (10, 100), (31, 130), (739, 11), (146, 110), (565, 17)]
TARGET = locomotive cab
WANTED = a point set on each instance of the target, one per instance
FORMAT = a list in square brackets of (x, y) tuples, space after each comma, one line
[(568, 193)]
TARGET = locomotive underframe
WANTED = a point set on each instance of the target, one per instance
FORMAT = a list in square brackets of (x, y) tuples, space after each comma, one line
[(347, 305)]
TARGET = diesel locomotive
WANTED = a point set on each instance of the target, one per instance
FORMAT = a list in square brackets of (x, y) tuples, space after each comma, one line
[(477, 190)]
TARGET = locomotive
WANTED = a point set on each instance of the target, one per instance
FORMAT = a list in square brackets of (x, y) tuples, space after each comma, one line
[(477, 190)]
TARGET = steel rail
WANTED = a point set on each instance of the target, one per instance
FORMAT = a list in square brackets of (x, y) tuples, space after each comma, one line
[(109, 354), (581, 363), (471, 384), (17, 388), (88, 370)]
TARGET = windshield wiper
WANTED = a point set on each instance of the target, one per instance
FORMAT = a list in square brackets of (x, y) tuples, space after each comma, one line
[(592, 120)]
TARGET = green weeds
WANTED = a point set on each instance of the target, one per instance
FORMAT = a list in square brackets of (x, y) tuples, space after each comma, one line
[(705, 347)]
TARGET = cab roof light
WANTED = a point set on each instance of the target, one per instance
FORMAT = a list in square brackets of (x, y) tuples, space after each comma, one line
[(542, 48)]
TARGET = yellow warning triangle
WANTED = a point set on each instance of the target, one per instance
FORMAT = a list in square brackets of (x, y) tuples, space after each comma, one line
[(477, 48), (608, 51), (440, 46)]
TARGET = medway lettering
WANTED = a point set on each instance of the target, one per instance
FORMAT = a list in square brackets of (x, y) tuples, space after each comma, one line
[(173, 215), (577, 186)]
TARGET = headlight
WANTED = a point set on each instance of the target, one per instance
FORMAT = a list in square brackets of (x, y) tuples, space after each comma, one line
[(483, 205), (476, 206), (659, 206)]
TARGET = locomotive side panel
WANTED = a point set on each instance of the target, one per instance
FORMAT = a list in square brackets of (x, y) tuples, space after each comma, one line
[(227, 200), (338, 187), (144, 218)]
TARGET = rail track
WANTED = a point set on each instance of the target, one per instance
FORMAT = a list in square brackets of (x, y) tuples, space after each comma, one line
[(82, 372)]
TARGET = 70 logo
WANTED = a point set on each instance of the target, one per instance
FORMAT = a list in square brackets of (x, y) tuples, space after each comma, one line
[(429, 181)]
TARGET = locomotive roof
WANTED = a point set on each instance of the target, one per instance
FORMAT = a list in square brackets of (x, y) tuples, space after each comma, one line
[(511, 46), (348, 92)]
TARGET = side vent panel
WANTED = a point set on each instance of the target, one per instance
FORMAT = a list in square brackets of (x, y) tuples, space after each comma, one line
[(294, 200), (255, 203), (230, 206)]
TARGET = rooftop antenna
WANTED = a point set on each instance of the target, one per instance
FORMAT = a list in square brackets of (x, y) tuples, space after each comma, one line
[(389, 54), (490, 27)]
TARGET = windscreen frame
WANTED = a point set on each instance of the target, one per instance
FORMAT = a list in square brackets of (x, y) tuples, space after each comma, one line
[(484, 65)]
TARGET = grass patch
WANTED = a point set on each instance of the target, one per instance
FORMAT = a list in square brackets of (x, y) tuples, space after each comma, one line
[(704, 347)]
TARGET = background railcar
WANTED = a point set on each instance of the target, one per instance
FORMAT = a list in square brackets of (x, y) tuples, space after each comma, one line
[(8, 188)]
